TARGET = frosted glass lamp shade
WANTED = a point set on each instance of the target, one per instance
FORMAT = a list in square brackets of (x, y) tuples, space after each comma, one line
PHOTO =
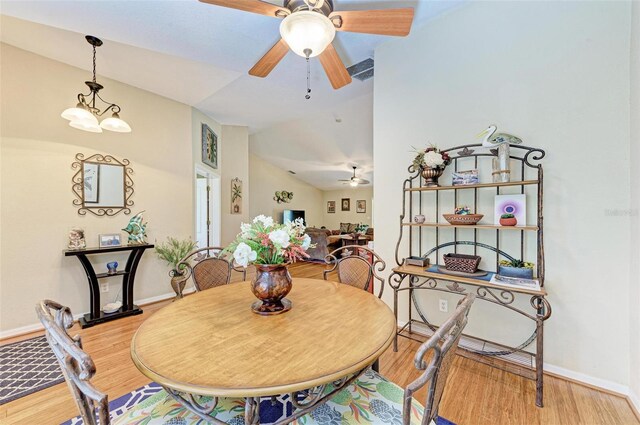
[(77, 113), (114, 123), (90, 124), (354, 184), (307, 30)]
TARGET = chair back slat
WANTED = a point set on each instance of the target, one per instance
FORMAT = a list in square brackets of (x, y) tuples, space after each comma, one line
[(442, 345), (357, 266), (77, 366)]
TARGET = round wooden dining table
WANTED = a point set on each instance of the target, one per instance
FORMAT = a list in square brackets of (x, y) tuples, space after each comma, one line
[(212, 344)]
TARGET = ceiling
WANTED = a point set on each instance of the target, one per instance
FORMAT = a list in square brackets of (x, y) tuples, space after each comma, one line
[(199, 54)]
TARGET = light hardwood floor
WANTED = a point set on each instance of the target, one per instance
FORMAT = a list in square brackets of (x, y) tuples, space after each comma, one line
[(476, 394)]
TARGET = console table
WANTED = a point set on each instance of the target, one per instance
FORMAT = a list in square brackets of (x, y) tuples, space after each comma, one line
[(95, 315)]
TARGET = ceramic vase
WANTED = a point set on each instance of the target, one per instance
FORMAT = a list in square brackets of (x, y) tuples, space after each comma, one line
[(178, 282), (431, 175), (271, 285)]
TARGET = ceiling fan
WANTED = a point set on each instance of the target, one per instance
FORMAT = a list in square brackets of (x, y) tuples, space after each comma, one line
[(309, 27), (355, 181)]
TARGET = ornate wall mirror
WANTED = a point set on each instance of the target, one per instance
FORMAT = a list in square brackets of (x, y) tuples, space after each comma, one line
[(102, 184)]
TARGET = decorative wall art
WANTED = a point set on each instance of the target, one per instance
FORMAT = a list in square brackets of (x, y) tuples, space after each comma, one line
[(331, 207), (209, 147), (109, 240), (511, 204), (91, 182), (346, 204), (361, 206), (283, 197), (236, 196)]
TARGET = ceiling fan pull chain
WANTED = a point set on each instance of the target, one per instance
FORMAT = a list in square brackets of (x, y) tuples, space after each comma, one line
[(308, 96)]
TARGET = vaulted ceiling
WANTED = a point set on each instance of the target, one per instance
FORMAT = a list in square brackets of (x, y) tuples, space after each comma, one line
[(199, 54)]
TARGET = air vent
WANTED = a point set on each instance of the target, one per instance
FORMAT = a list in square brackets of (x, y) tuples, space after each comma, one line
[(363, 70), (292, 172)]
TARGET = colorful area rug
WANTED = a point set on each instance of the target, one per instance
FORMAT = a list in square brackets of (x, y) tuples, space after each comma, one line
[(269, 412), (26, 367)]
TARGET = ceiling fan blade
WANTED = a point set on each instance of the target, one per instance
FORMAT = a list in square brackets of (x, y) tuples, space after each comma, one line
[(362, 181), (335, 69), (343, 180), (384, 22), (270, 60), (254, 6)]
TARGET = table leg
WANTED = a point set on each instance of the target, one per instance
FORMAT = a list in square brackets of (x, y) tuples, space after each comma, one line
[(252, 411)]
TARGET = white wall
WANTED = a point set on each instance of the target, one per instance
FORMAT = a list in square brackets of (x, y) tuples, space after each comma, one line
[(37, 148), (266, 179), (332, 221), (556, 74), (634, 299), (235, 159)]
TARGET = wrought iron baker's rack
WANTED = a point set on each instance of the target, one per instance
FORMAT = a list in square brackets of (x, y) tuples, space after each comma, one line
[(414, 279)]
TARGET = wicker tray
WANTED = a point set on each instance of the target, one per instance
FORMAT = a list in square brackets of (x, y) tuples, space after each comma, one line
[(463, 219)]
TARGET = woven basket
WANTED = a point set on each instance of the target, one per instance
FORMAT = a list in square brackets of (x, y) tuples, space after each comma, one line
[(461, 262), (463, 219)]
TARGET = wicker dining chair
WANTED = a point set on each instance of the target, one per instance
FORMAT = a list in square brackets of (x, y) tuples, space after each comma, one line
[(209, 268), (388, 403), (356, 266)]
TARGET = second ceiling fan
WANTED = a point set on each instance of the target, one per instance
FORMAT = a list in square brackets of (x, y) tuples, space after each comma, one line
[(309, 27)]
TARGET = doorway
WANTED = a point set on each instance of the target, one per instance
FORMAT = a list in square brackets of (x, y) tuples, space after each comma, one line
[(207, 208)]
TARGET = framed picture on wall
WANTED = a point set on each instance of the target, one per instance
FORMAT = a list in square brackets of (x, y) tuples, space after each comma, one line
[(361, 206), (331, 207), (209, 147), (346, 204), (236, 196)]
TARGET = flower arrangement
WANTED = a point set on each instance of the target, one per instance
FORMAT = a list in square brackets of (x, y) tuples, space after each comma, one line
[(267, 242), (430, 157), (463, 211), (175, 250)]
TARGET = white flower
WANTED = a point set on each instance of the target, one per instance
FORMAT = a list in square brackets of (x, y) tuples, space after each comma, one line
[(245, 230), (433, 159), (244, 254), (306, 242), (266, 221), (280, 238)]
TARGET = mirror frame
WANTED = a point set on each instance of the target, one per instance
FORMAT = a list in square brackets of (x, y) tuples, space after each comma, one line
[(78, 186)]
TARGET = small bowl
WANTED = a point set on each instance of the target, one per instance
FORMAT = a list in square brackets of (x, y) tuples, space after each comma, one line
[(463, 219)]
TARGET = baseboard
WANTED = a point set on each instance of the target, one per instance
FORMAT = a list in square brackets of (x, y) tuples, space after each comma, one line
[(38, 326), (634, 403), (598, 384)]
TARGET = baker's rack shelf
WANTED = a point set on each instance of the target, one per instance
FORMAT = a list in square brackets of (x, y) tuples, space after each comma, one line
[(433, 239), (471, 186)]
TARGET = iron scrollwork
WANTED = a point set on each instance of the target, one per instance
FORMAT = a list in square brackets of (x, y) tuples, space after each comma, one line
[(77, 185)]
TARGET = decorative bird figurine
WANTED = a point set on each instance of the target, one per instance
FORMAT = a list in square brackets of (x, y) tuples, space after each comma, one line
[(137, 230), (491, 138)]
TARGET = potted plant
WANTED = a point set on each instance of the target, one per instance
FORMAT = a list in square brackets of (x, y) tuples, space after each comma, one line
[(508, 220), (516, 268), (172, 252), (271, 247), (431, 162)]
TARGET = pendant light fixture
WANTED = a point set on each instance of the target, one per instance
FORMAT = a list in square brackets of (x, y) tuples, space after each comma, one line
[(84, 116)]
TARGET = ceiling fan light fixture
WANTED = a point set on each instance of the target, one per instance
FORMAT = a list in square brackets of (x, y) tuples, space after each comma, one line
[(114, 123), (306, 31), (353, 183)]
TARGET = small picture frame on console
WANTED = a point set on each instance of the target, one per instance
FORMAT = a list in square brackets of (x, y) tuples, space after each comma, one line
[(109, 240)]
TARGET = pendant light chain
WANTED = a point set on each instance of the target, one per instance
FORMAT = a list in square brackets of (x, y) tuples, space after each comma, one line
[(308, 96)]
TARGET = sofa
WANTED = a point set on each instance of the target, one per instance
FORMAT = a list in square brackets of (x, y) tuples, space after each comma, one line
[(326, 240)]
